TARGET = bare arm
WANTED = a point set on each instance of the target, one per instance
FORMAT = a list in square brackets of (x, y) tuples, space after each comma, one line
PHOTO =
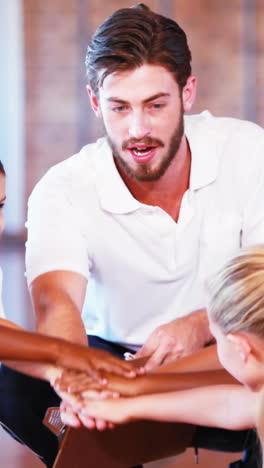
[(15, 352), (227, 406), (43, 356), (150, 383), (58, 298), (204, 360)]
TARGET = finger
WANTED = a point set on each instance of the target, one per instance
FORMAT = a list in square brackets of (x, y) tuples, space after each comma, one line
[(87, 421), (147, 349), (109, 409), (166, 346), (96, 375), (91, 394), (150, 346), (101, 425), (173, 357), (70, 420), (156, 359), (72, 379), (104, 395), (82, 387), (138, 363), (119, 366), (68, 417), (69, 398)]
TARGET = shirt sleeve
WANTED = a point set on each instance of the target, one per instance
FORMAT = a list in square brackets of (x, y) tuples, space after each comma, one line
[(56, 240)]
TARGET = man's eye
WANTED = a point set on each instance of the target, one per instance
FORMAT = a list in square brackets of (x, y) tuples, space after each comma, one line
[(2, 206), (157, 105), (119, 108)]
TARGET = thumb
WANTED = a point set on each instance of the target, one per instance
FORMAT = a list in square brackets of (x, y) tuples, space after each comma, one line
[(142, 352)]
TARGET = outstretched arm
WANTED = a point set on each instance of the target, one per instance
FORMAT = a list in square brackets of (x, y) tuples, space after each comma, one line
[(150, 383), (205, 359), (18, 345), (227, 406)]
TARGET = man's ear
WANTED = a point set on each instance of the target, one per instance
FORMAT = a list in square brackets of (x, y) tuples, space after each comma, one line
[(189, 93), (241, 344), (94, 100)]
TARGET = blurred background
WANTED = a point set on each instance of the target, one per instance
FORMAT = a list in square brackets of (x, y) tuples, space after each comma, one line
[(45, 115)]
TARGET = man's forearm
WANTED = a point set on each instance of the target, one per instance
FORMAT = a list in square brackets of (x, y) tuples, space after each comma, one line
[(58, 298), (59, 317)]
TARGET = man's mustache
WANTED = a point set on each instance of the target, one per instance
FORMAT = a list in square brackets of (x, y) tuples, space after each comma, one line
[(147, 141)]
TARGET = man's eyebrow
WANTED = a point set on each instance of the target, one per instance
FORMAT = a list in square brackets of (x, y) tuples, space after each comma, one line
[(117, 100), (156, 96), (3, 199), (149, 99)]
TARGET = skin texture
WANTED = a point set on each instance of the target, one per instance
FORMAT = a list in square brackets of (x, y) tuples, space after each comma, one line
[(211, 398), (19, 345), (38, 351), (200, 369), (218, 406), (152, 383)]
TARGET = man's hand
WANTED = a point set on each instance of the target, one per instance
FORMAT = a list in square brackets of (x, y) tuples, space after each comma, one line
[(176, 339)]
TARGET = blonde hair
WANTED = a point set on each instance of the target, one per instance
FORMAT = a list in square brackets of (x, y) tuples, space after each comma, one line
[(236, 292), (237, 304)]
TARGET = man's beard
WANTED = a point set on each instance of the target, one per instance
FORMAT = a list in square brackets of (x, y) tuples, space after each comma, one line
[(143, 172)]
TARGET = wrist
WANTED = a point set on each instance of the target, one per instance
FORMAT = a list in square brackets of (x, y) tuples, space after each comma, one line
[(51, 373), (141, 385), (134, 409)]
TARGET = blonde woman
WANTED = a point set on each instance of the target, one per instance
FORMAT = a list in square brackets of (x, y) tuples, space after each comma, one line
[(236, 317)]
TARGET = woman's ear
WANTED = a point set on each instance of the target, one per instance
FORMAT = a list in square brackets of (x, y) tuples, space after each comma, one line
[(189, 93), (241, 344), (94, 100)]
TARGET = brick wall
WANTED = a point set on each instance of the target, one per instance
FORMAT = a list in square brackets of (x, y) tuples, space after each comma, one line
[(58, 117)]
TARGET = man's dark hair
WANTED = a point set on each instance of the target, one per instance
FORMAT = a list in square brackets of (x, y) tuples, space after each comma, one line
[(2, 171), (134, 36)]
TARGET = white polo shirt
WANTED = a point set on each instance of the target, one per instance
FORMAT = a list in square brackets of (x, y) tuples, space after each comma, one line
[(143, 268)]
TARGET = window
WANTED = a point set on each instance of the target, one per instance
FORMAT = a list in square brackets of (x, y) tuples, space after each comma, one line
[(11, 111)]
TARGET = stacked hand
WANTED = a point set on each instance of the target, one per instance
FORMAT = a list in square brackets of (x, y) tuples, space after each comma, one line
[(78, 390), (93, 399)]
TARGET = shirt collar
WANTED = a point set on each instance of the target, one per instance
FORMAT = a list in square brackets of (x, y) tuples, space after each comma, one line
[(113, 193), (203, 138)]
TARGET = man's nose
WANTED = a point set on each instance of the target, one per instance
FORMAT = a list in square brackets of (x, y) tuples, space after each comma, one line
[(140, 125)]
